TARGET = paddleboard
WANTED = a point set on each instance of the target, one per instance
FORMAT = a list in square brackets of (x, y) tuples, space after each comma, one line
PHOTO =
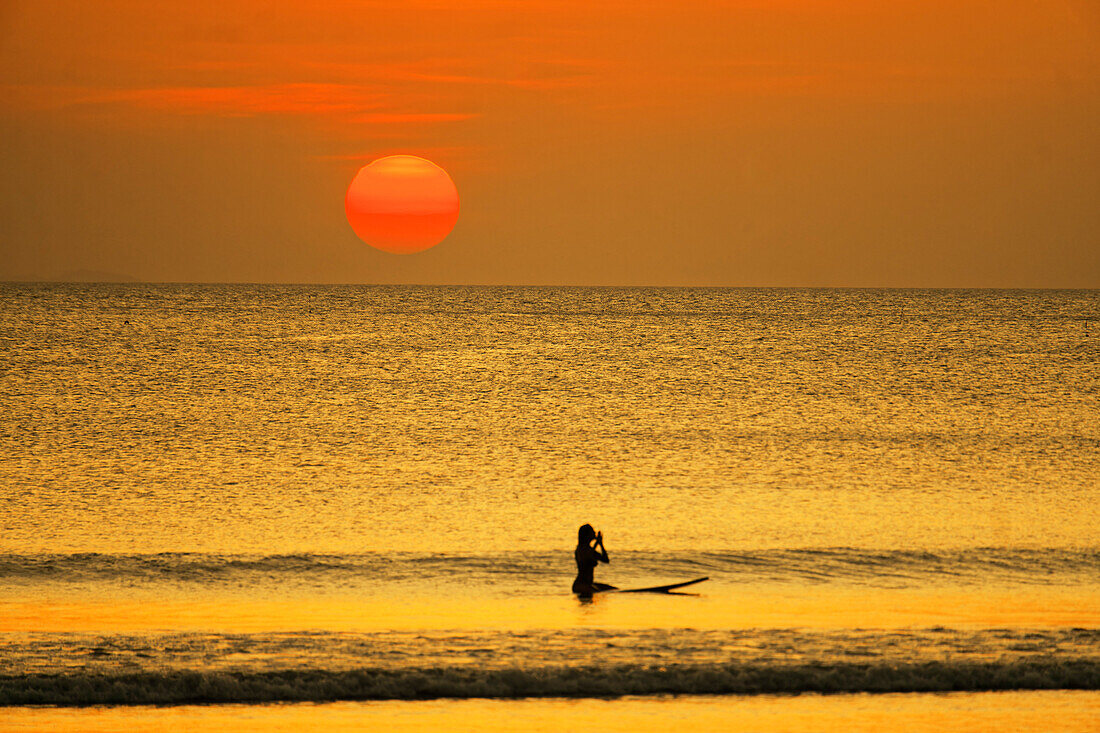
[(663, 588)]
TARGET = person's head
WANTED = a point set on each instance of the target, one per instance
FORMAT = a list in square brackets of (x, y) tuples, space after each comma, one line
[(585, 534)]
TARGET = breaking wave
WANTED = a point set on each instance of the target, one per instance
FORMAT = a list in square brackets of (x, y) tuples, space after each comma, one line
[(891, 568), (187, 687)]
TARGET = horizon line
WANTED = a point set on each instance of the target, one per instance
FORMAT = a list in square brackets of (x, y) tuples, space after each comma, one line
[(292, 283)]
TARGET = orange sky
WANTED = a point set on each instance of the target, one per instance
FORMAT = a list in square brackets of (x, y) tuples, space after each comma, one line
[(767, 142)]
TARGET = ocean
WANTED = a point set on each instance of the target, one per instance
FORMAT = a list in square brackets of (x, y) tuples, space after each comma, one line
[(274, 507)]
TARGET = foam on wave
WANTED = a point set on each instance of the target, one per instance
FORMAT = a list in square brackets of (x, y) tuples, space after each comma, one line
[(161, 688)]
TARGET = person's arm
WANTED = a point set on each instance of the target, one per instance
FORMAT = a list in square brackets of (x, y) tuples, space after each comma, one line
[(601, 553)]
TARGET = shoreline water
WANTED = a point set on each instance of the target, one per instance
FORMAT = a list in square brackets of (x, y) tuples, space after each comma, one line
[(1057, 711)]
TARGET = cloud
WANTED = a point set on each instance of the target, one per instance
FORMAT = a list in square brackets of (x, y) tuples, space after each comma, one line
[(400, 118), (315, 100), (276, 99), (345, 106)]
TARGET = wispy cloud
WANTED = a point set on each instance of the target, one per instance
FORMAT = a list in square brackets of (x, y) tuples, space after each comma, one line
[(319, 100), (347, 106), (391, 118)]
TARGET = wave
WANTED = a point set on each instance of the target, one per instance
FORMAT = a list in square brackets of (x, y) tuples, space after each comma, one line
[(889, 568), (160, 688)]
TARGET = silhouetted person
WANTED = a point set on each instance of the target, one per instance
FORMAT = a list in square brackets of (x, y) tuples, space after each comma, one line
[(590, 552)]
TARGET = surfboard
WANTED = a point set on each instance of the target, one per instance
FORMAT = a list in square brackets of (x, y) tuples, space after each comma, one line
[(663, 588)]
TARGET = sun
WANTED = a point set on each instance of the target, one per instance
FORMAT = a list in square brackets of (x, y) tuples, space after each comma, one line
[(402, 204)]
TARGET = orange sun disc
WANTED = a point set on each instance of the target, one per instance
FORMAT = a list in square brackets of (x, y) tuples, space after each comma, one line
[(402, 204)]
